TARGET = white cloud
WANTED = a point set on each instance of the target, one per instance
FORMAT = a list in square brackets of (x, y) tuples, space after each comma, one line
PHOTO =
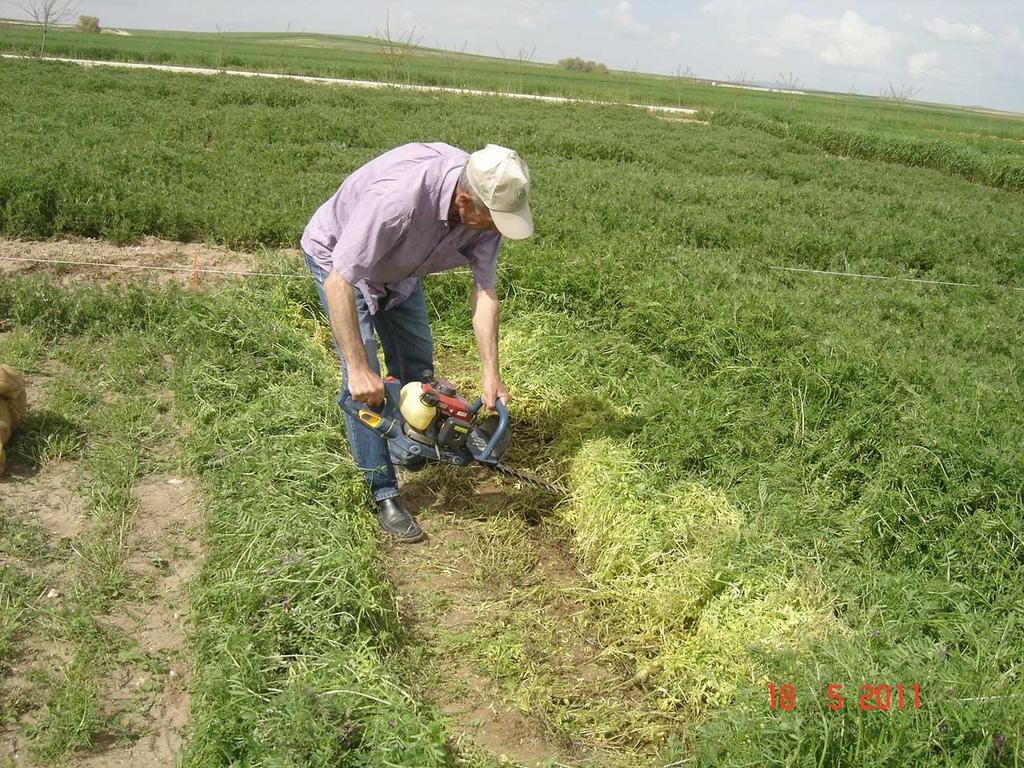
[(667, 42), (743, 8), (848, 41), (856, 43), (906, 17), (956, 31), (720, 6), (924, 65), (1012, 38), (622, 18)]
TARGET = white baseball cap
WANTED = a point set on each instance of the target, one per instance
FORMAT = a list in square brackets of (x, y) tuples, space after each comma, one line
[(501, 180)]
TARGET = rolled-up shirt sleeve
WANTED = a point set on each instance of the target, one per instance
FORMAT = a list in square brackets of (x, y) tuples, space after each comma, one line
[(483, 260), (375, 227)]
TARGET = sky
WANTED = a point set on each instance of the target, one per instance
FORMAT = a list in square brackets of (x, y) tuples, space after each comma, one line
[(968, 53)]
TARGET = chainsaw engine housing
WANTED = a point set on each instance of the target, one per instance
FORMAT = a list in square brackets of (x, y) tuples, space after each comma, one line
[(452, 419)]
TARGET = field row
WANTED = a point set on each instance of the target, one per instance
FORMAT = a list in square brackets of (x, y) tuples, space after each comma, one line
[(371, 59)]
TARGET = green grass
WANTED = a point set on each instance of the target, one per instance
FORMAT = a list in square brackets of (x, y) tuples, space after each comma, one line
[(292, 622), (94, 402), (363, 58), (774, 477), (981, 147), (987, 160)]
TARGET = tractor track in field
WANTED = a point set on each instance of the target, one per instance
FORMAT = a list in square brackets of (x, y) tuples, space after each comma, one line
[(500, 637), (139, 680), (497, 613), (344, 82)]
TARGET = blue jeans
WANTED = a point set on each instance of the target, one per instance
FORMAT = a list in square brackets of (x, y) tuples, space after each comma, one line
[(408, 351)]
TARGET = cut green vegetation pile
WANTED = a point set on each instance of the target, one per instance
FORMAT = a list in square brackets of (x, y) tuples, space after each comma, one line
[(775, 478)]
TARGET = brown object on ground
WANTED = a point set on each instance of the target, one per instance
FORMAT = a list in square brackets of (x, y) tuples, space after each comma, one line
[(12, 406)]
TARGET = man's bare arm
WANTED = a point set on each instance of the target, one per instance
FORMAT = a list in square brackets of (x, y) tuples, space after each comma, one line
[(484, 304), (363, 383)]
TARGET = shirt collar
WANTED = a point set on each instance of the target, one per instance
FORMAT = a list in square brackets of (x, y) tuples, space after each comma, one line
[(451, 178)]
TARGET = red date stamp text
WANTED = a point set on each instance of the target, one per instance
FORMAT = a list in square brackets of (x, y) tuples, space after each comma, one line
[(868, 698)]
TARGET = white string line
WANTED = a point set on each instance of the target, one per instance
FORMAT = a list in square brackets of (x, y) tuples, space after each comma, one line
[(900, 279), (993, 698), (294, 276), (150, 266)]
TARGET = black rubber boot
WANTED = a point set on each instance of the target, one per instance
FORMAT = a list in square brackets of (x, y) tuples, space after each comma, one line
[(396, 521)]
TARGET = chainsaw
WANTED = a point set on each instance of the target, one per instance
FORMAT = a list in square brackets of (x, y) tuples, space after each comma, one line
[(430, 422)]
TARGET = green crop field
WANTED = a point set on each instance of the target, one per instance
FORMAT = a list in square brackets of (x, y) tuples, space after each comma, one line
[(973, 143), (774, 478)]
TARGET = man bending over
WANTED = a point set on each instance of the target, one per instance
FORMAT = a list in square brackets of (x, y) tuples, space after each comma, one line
[(416, 209)]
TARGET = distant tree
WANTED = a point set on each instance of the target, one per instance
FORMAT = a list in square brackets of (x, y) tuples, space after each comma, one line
[(46, 13), (742, 78), (397, 49), (221, 32), (683, 74), (453, 59), (901, 94), (517, 63), (789, 83), (576, 64), (89, 23)]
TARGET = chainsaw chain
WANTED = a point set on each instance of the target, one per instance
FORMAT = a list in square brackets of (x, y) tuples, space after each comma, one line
[(528, 478)]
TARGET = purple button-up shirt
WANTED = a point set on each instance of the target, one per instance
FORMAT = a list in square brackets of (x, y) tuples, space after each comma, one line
[(387, 225)]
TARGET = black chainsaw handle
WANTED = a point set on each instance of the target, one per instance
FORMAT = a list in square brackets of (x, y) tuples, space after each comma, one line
[(499, 406)]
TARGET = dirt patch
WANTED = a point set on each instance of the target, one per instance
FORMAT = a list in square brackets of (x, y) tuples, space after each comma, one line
[(152, 260), (437, 594), (152, 690), (463, 595), (493, 726), (167, 507), (165, 553), (46, 496), (160, 747), (19, 694)]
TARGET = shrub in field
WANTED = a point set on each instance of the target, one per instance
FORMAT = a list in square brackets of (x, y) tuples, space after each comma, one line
[(750, 120), (89, 23), (576, 64)]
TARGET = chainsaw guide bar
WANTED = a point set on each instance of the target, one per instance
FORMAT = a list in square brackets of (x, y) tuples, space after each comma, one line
[(518, 474)]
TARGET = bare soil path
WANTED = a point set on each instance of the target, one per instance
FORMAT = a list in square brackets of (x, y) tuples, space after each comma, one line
[(497, 616), (73, 258), (150, 692), (97, 602)]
